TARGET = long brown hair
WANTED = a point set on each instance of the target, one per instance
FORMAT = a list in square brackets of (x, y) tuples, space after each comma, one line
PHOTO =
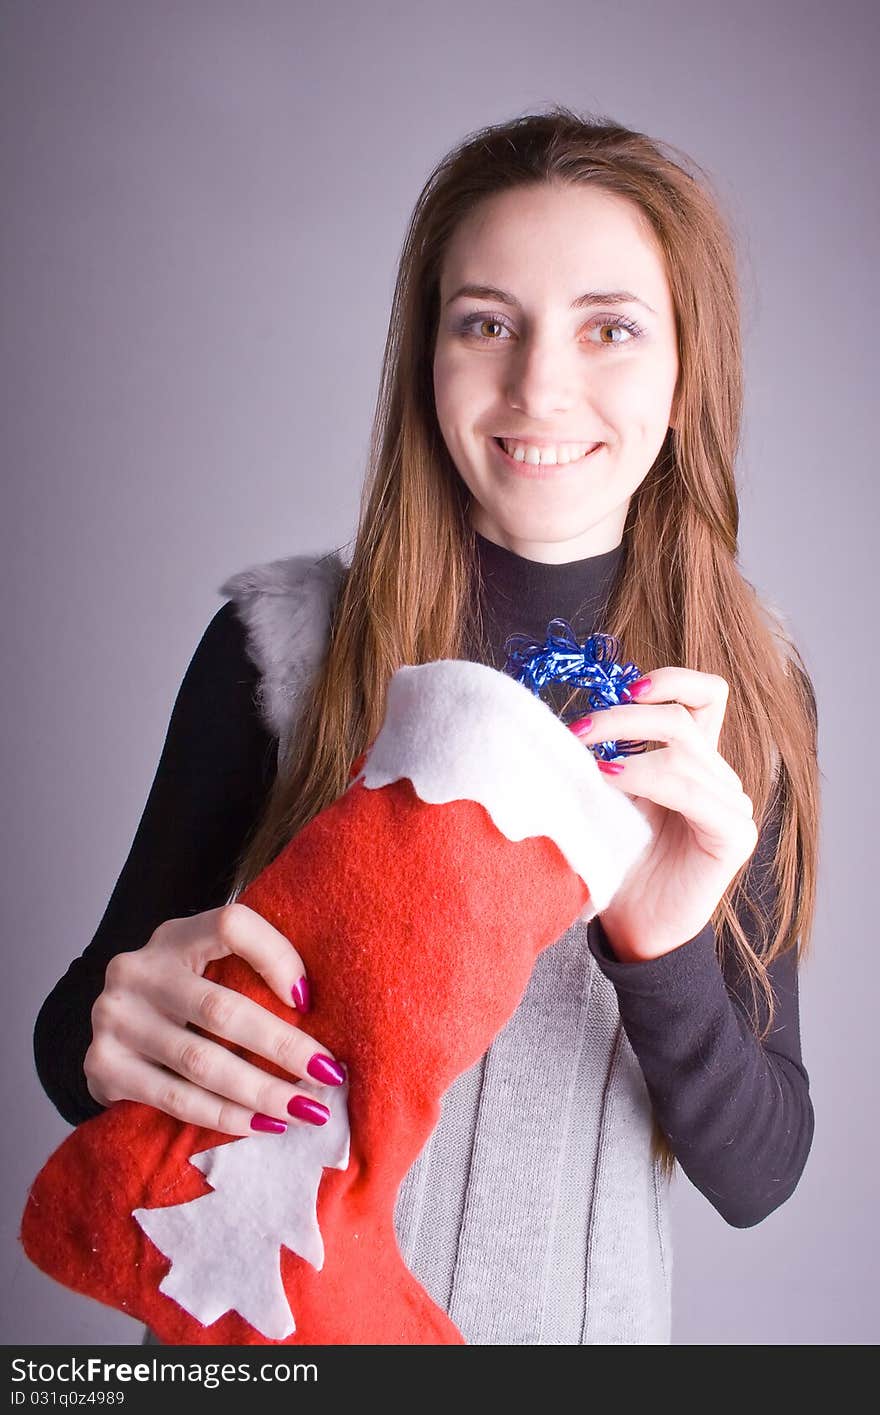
[(412, 592)]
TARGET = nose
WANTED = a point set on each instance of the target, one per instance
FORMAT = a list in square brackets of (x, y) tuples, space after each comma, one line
[(543, 380)]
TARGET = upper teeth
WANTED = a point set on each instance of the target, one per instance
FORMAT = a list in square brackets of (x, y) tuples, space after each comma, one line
[(546, 456)]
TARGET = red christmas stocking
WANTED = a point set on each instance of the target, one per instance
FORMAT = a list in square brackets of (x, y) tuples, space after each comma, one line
[(477, 832)]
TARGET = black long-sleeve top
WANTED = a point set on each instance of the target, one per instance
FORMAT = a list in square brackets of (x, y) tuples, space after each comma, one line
[(737, 1112)]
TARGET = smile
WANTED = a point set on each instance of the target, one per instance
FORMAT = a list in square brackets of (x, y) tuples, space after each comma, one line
[(544, 471)]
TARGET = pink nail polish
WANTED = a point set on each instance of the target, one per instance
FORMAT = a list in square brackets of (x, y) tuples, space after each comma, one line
[(583, 724), (304, 1108), (267, 1123), (325, 1069), (611, 768), (301, 995), (640, 686)]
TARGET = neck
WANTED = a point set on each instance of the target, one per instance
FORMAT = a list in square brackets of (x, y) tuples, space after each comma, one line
[(561, 556), (597, 540), (521, 596)]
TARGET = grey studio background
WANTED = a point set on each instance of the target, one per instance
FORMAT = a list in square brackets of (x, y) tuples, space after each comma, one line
[(204, 205)]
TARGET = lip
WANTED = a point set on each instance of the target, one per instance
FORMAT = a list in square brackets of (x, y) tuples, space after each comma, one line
[(530, 471)]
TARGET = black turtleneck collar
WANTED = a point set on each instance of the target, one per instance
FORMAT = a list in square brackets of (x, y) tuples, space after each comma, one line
[(521, 596)]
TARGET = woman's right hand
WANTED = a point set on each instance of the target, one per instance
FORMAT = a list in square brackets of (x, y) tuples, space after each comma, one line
[(142, 1048)]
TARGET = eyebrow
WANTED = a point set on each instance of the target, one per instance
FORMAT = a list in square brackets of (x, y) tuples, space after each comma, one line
[(591, 297)]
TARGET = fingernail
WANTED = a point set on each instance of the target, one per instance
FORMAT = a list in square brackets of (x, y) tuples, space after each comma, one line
[(612, 768), (304, 1108), (324, 1068), (583, 724), (641, 686), (267, 1123), (300, 994)]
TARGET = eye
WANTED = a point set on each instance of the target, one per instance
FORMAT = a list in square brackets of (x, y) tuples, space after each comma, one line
[(617, 323), (483, 319)]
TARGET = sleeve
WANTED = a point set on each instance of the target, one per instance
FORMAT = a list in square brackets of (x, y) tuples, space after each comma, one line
[(736, 1111), (214, 775)]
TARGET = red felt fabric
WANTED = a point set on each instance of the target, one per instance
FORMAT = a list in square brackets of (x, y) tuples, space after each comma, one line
[(419, 926)]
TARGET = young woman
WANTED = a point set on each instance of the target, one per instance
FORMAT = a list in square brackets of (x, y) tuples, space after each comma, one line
[(555, 437)]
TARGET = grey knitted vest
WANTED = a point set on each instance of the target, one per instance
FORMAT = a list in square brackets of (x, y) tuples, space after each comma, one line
[(535, 1214)]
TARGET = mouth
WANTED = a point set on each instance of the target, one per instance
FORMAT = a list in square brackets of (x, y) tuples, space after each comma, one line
[(546, 471)]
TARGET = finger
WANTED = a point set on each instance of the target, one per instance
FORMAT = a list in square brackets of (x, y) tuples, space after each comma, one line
[(220, 1071), (721, 819), (679, 761), (705, 695), (223, 1012), (236, 928), (670, 723), (136, 1078)]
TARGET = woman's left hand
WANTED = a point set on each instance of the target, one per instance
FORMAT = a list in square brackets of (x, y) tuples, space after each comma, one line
[(702, 822)]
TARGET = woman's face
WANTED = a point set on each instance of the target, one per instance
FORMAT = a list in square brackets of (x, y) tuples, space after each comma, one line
[(547, 359)]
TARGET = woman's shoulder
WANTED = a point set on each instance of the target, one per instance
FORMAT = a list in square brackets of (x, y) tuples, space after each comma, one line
[(292, 576), (284, 608)]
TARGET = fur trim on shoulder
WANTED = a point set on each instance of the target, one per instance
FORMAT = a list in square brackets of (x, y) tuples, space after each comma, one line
[(285, 606), (778, 624)]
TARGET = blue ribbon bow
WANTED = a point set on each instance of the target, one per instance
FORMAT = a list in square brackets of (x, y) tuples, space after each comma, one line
[(591, 666)]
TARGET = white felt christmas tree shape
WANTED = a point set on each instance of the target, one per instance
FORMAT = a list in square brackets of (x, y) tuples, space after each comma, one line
[(225, 1247)]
